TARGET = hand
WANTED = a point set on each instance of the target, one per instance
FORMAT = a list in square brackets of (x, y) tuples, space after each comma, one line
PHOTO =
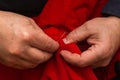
[(103, 34), (23, 44)]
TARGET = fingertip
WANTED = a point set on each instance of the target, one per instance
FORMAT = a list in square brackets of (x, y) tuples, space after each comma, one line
[(56, 45), (67, 41), (51, 45)]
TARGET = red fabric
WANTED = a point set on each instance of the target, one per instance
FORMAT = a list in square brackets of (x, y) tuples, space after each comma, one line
[(57, 19), (58, 69)]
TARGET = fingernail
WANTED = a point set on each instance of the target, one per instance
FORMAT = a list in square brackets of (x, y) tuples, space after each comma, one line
[(67, 41)]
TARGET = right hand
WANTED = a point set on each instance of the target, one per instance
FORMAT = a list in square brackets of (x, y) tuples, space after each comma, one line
[(103, 36), (23, 44)]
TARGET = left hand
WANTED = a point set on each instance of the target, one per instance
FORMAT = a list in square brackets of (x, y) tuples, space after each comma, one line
[(103, 34)]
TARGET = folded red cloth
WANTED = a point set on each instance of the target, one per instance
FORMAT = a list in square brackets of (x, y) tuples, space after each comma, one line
[(58, 69), (57, 19)]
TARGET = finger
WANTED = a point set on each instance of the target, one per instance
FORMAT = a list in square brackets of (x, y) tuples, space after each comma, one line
[(28, 59), (16, 62), (77, 59), (44, 42), (86, 58), (38, 39), (76, 35), (72, 58), (37, 56)]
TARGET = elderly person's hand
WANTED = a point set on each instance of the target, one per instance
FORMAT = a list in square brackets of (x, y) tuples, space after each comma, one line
[(23, 44), (103, 34)]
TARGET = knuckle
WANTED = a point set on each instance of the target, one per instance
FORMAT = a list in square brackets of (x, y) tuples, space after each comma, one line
[(31, 20), (28, 21), (16, 51), (26, 36)]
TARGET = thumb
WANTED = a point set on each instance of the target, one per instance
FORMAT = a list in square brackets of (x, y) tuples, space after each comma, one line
[(86, 58), (76, 35), (43, 42)]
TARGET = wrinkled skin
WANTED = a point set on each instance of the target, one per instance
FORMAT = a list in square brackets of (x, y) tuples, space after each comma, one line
[(103, 34), (23, 44)]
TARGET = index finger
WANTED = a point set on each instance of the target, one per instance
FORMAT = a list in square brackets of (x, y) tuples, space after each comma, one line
[(44, 42)]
